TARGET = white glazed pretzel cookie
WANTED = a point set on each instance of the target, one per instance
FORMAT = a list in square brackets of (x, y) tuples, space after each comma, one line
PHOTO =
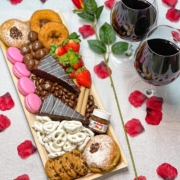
[(43, 119), (69, 146), (50, 126), (38, 126), (59, 137), (40, 137), (88, 132), (72, 126), (75, 138), (83, 144), (57, 154)]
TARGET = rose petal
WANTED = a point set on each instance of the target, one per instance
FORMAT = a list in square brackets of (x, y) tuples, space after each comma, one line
[(167, 171), (173, 14), (176, 35), (137, 98), (78, 3), (86, 31), (153, 117), (4, 122), (134, 127), (154, 103), (171, 3), (6, 102), (101, 70), (141, 178), (25, 149), (43, 1), (23, 177), (15, 1), (109, 3)]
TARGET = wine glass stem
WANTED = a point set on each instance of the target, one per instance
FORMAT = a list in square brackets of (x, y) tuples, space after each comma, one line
[(150, 92), (129, 50)]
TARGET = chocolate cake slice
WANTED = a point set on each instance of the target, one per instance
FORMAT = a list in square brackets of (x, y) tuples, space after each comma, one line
[(50, 69), (57, 110)]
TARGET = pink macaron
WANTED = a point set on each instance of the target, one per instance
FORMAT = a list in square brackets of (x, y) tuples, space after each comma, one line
[(32, 103), (14, 55), (19, 69), (26, 86)]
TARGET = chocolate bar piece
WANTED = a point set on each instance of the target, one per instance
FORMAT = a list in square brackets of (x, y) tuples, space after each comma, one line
[(50, 69), (57, 110)]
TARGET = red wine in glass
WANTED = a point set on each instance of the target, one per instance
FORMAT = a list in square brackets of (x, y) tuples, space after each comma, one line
[(132, 19), (158, 61)]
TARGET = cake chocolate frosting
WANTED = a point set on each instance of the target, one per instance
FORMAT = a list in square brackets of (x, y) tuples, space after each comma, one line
[(50, 69), (57, 110)]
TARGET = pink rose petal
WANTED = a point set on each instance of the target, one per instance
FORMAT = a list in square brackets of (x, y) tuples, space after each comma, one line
[(23, 177), (141, 178), (101, 70), (167, 171), (154, 103), (86, 31), (173, 14), (4, 122), (137, 98), (134, 127), (171, 3), (25, 149), (15, 1), (6, 102), (153, 117), (109, 3)]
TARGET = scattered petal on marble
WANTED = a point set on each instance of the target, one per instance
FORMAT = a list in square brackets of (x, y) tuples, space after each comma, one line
[(23, 177), (141, 178), (25, 149), (101, 70), (173, 15), (14, 2), (154, 103), (6, 102), (153, 117), (167, 171), (134, 127), (4, 122), (171, 3), (86, 31), (109, 3)]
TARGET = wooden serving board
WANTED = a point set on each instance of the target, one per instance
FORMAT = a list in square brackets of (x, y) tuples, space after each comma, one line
[(31, 118)]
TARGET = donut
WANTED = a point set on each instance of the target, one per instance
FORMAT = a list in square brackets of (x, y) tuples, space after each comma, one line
[(41, 17), (14, 32), (52, 33), (101, 154)]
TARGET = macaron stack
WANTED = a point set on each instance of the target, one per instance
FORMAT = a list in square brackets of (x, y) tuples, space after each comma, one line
[(25, 85)]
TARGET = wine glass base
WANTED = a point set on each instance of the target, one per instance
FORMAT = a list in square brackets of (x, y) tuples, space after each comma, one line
[(149, 90), (124, 63)]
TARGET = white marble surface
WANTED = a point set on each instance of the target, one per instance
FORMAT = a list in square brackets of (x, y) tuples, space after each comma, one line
[(156, 145)]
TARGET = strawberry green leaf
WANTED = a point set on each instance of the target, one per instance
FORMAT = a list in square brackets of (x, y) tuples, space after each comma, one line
[(99, 11), (90, 6), (73, 35), (119, 47), (97, 46), (64, 59), (106, 34), (85, 15), (69, 70)]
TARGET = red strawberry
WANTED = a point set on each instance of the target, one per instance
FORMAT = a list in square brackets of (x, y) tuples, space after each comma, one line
[(134, 127), (25, 149), (4, 122), (83, 77), (6, 102), (72, 42), (153, 117), (77, 64), (72, 74), (75, 82), (137, 98), (167, 172), (23, 177), (154, 103), (57, 50)]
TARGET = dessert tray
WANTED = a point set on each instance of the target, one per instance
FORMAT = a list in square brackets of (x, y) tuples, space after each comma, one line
[(31, 118)]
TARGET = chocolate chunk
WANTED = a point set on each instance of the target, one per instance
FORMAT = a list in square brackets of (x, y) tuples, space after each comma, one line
[(57, 110), (24, 49), (33, 36)]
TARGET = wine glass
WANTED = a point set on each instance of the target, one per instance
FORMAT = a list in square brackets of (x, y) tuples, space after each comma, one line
[(131, 20), (157, 60)]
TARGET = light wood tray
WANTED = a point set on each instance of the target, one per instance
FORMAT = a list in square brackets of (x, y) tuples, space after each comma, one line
[(31, 118)]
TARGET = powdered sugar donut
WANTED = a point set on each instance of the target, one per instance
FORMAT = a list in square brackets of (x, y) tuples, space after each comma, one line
[(101, 154), (14, 32)]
